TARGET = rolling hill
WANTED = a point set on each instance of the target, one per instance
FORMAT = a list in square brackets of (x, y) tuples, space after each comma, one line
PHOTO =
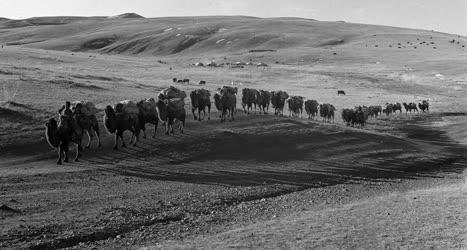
[(132, 34)]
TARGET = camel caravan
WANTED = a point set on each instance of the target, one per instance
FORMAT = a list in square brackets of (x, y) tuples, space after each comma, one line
[(79, 118)]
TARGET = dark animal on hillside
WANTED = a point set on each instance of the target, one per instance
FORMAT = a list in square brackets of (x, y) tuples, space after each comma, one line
[(263, 98), (228, 89), (311, 108), (87, 122), (202, 83), (340, 92), (226, 102), (147, 114), (169, 111), (60, 136), (409, 107), (374, 111), (118, 121), (424, 106), (413, 106), (278, 101), (186, 80), (361, 116), (295, 105), (397, 106), (249, 99), (200, 100), (326, 111), (174, 79), (180, 81), (348, 116), (389, 109)]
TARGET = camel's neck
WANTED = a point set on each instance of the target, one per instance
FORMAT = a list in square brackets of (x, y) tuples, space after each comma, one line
[(110, 122), (161, 111), (52, 137)]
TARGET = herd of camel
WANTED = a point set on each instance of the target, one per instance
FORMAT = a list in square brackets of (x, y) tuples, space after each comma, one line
[(131, 116)]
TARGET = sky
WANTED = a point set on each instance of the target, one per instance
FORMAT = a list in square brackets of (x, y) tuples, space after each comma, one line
[(441, 15)]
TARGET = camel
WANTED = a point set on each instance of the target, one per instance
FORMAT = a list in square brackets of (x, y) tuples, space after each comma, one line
[(413, 106), (409, 107), (311, 108), (327, 111), (119, 120), (263, 98), (168, 111), (389, 109), (147, 114), (361, 115), (60, 136), (249, 99), (228, 89), (424, 106), (348, 115), (374, 111), (278, 101), (87, 120), (397, 106), (226, 102), (89, 124), (200, 99), (295, 105)]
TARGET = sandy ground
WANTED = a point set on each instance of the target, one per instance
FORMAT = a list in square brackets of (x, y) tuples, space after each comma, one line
[(432, 218), (291, 182)]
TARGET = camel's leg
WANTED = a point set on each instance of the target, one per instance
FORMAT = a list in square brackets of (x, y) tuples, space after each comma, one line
[(89, 133), (156, 123), (194, 115), (64, 149), (78, 153), (171, 125), (123, 141), (182, 124), (209, 112), (199, 114), (59, 161), (96, 130), (232, 114), (167, 127), (116, 141), (135, 136)]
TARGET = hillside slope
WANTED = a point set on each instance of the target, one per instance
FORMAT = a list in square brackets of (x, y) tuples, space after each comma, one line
[(212, 35)]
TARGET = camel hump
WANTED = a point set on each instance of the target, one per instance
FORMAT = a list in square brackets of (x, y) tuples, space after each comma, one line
[(172, 92), (148, 106), (87, 108), (127, 107)]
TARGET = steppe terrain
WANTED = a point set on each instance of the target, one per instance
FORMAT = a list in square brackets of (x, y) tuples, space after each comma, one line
[(261, 181)]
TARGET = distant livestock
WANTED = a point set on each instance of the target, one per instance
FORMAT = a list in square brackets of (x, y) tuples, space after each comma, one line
[(311, 108), (226, 101), (295, 105), (202, 83), (200, 100), (278, 101), (397, 106), (409, 107), (148, 114), (326, 111), (340, 92), (263, 98), (122, 117), (424, 106), (249, 99)]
